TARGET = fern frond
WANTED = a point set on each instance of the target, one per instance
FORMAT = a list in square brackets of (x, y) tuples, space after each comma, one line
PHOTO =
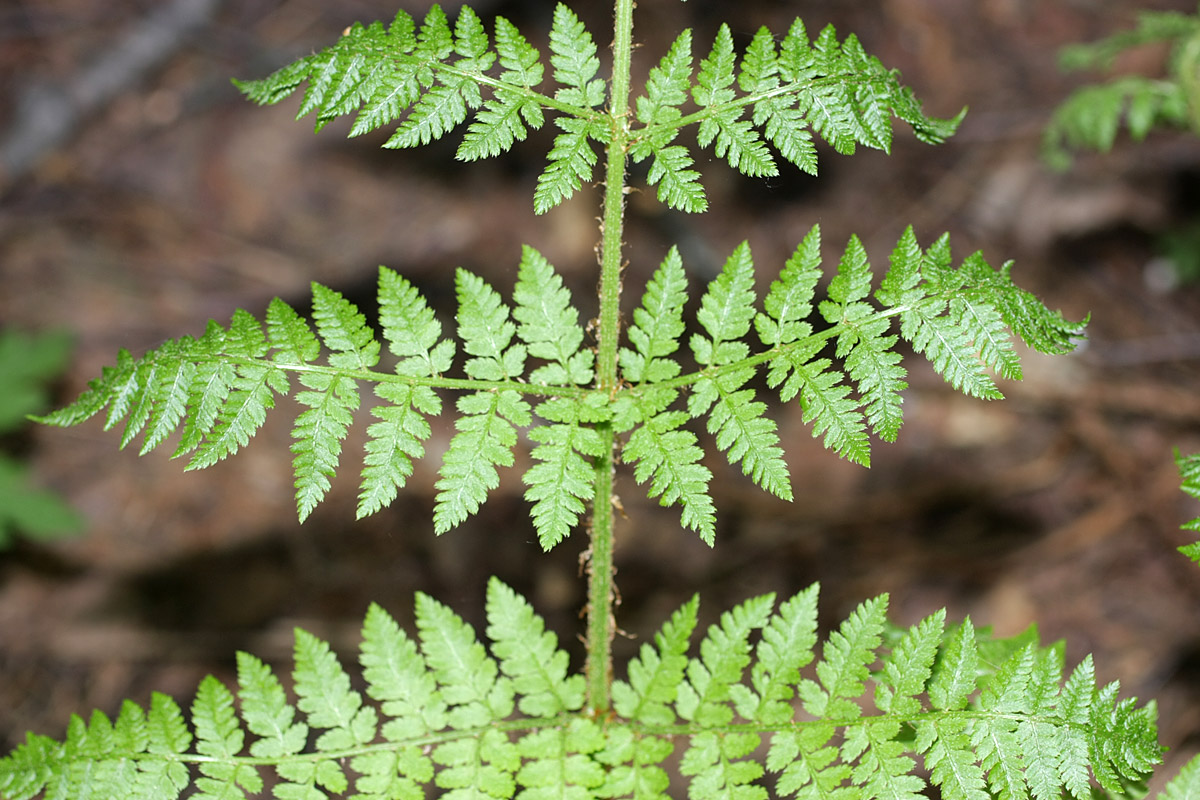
[(665, 452), (432, 78), (437, 714), (843, 666), (486, 331), (724, 656), (789, 300), (549, 324), (784, 649), (571, 162), (573, 56), (248, 394), (736, 419), (411, 329), (666, 88), (828, 88), (741, 429), (656, 673), (318, 435), (735, 138), (485, 438), (826, 401), (1189, 476), (396, 440), (1092, 116), (678, 184), (657, 325), (561, 483), (1184, 785), (529, 655)]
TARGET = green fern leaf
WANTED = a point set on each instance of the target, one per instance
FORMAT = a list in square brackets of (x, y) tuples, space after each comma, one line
[(220, 737), (396, 440), (399, 679), (907, 669), (661, 450), (289, 335), (436, 113), (411, 328), (949, 349), (251, 393), (724, 656), (521, 60), (573, 56), (789, 300), (1189, 476), (954, 674), (446, 712), (485, 438), (656, 673), (726, 311), (571, 161), (561, 483), (499, 125), (657, 325), (558, 762), (172, 388), (485, 330), (736, 140), (843, 666), (869, 359), (395, 87), (1185, 785), (325, 696), (948, 757), (267, 712), (784, 649), (737, 420), (808, 766), (548, 323), (471, 44), (1042, 329), (825, 400), (678, 185), (470, 680), (667, 87), (318, 435), (719, 769), (883, 769), (529, 655)]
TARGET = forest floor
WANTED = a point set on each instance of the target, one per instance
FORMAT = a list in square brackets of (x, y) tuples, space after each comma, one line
[(176, 202)]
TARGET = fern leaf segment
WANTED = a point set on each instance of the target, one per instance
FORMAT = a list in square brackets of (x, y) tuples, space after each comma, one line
[(446, 711), (218, 388)]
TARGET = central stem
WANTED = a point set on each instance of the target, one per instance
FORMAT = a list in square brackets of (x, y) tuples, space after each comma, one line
[(601, 624)]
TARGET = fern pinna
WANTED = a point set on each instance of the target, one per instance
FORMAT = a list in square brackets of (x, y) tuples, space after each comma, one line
[(972, 716), (525, 368)]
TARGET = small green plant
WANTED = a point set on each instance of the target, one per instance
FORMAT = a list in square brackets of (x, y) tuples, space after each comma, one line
[(1091, 117), (28, 363), (752, 709)]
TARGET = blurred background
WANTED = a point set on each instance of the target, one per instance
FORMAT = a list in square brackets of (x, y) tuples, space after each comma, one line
[(140, 196)]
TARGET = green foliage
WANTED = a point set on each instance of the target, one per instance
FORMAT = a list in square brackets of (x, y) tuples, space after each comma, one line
[(1189, 474), (443, 710), (751, 709), (1091, 117), (219, 387), (429, 79), (28, 363)]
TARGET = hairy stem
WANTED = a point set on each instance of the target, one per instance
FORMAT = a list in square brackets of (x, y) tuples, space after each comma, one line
[(601, 624)]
